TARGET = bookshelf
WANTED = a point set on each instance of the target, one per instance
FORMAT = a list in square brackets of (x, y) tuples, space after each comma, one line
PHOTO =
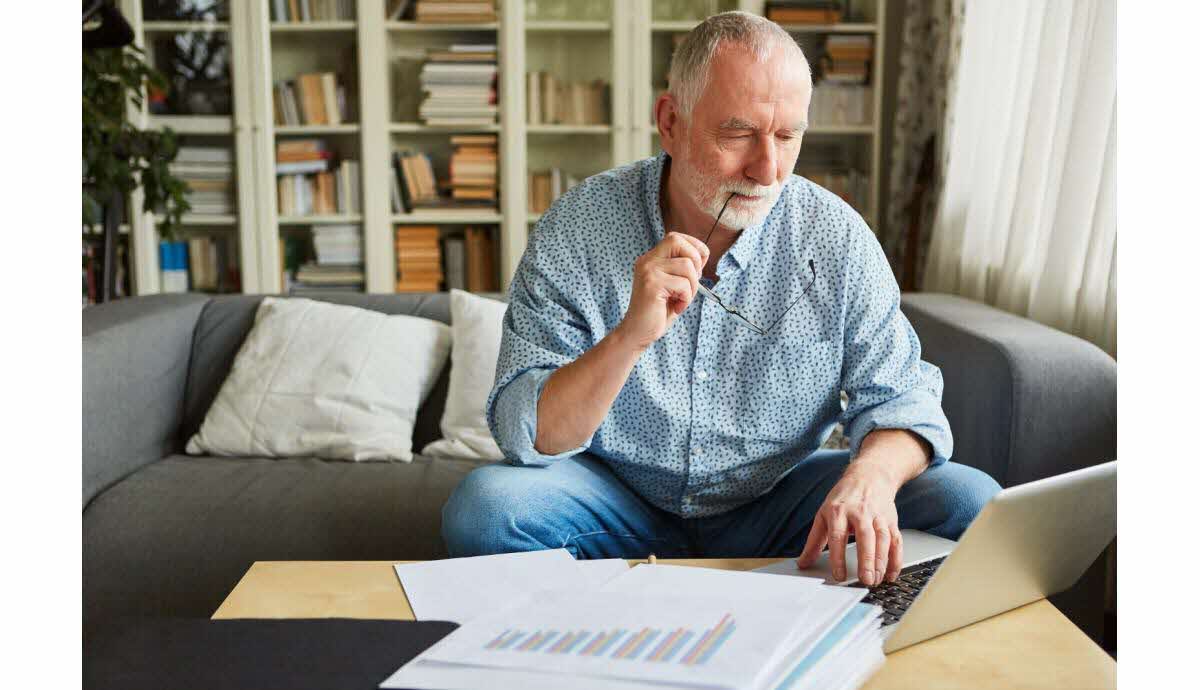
[(625, 43)]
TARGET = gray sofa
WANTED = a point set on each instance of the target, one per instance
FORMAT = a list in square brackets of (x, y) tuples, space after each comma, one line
[(169, 534)]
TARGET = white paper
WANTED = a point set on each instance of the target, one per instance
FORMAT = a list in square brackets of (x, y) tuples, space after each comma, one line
[(628, 636), (685, 580), (815, 609), (459, 589), (598, 572)]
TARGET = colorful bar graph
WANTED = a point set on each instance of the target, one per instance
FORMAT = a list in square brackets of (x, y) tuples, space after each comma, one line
[(614, 636), (646, 641), (679, 644), (647, 644), (665, 644), (710, 638)]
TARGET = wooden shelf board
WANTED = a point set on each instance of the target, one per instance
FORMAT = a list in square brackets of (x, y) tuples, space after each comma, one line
[(192, 124), (320, 220), (672, 26), (208, 219), (568, 25), (349, 128), (422, 128), (307, 27), (160, 27), (568, 129), (434, 217), (431, 26)]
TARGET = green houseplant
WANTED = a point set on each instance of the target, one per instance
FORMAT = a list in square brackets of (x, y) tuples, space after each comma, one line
[(119, 157)]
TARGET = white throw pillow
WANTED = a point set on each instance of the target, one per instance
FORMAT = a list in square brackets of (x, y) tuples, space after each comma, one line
[(325, 380), (477, 323)]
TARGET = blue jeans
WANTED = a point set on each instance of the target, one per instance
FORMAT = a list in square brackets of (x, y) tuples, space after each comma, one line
[(580, 505)]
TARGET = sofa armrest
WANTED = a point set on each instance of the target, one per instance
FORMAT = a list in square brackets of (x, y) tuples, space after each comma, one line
[(1025, 401), (135, 364)]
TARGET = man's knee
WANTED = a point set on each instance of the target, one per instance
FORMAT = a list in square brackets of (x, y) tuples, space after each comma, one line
[(949, 497), (485, 513)]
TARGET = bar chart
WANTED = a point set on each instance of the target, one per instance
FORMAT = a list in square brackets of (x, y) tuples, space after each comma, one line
[(683, 646)]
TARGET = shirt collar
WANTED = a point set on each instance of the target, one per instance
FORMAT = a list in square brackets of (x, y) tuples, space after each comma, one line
[(744, 249)]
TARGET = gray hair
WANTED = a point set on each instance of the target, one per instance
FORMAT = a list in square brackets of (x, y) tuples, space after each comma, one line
[(690, 64)]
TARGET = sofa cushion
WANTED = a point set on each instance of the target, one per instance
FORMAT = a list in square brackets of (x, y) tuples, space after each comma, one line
[(226, 320), (325, 380), (477, 324), (176, 536)]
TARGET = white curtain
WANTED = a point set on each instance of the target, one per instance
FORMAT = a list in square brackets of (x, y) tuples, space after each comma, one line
[(1027, 217)]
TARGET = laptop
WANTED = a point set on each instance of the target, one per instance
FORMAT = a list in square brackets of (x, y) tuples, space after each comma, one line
[(1028, 542)]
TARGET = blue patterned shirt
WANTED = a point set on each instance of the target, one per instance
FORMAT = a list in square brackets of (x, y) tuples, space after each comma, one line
[(714, 414)]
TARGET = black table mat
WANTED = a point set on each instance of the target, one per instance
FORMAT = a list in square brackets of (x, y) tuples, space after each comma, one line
[(263, 654)]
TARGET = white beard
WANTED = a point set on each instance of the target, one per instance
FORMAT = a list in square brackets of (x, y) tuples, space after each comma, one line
[(709, 192)]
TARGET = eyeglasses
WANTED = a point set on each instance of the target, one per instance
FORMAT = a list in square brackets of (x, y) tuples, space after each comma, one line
[(812, 267)]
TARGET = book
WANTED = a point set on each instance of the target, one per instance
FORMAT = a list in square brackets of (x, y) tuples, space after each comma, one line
[(481, 266)]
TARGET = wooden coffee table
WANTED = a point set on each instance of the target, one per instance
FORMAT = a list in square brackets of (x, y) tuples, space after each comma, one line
[(1034, 646)]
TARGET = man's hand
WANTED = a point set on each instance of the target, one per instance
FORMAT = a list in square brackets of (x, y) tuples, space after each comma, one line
[(862, 503), (665, 280)]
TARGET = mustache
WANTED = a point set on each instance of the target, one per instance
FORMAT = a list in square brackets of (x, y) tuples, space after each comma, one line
[(748, 190)]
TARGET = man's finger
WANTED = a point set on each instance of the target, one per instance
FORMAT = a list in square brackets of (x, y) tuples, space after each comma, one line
[(700, 246), (679, 292), (816, 542), (896, 559), (883, 548), (864, 540), (678, 244), (682, 267), (837, 544)]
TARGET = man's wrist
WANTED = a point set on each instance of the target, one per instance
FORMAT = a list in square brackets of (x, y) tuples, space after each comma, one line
[(623, 341), (896, 456), (880, 468)]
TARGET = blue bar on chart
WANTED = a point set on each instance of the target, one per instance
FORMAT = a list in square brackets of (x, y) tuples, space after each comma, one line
[(647, 644)]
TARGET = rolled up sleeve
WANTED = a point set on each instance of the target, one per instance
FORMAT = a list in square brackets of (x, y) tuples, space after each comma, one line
[(542, 332), (888, 384)]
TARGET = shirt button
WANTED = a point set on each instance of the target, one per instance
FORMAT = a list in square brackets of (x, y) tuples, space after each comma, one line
[(702, 375), (697, 452)]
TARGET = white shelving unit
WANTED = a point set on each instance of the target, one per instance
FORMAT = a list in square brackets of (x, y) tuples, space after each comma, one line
[(624, 42)]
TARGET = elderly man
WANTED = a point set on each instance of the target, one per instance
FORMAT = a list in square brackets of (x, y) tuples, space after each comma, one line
[(678, 336)]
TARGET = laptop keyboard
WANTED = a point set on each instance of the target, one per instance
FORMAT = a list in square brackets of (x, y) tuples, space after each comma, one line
[(896, 597)]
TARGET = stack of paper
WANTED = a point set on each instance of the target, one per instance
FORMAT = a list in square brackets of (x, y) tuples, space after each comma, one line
[(531, 621), (459, 589)]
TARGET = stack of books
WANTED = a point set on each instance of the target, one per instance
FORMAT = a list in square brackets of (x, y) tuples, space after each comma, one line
[(311, 99), (481, 266), (546, 186), (473, 169), (461, 83), (413, 182), (841, 104), (552, 102), (311, 10), (339, 262), (418, 259), (314, 279), (173, 266), (847, 60), (339, 245), (208, 173), (804, 11), (310, 184), (456, 11), (470, 260), (209, 263)]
